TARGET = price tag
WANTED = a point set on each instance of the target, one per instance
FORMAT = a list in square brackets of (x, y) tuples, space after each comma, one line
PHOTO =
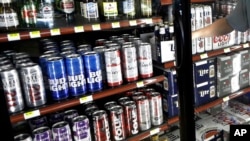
[(204, 56), (96, 27), (226, 99), (86, 99), (31, 114), (148, 21), (116, 25), (174, 63), (139, 84), (35, 34), (226, 50), (13, 36), (55, 31), (154, 131), (246, 45), (132, 23), (78, 29)]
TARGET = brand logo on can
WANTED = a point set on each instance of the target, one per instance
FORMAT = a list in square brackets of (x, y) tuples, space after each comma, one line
[(76, 81), (134, 122), (58, 84), (95, 77)]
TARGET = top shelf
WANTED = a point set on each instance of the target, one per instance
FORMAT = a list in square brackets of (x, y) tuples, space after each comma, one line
[(168, 2), (40, 33)]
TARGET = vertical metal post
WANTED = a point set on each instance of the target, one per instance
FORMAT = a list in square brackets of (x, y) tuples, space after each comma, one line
[(183, 42)]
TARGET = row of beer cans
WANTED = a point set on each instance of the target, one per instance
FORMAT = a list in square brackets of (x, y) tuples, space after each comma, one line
[(132, 113)]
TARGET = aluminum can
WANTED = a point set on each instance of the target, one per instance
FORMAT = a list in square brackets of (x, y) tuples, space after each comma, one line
[(113, 38), (81, 128), (122, 100), (89, 104), (93, 71), (20, 55), (65, 49), (9, 53), (69, 115), (52, 52), (55, 117), (107, 42), (131, 119), (22, 62), (125, 37), (119, 41), (90, 110), (23, 137), (42, 134), (100, 42), (193, 28), (67, 42), (137, 95), (129, 63), (67, 52), (199, 18), (51, 48), (155, 104), (75, 72), (101, 50), (116, 115), (37, 122), (110, 104), (4, 67), (57, 78), (33, 85), (143, 113), (61, 131), (86, 47), (12, 90), (113, 67), (145, 60), (101, 126), (148, 91), (5, 62)]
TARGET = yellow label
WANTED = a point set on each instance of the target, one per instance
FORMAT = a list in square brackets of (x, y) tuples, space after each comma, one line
[(110, 9), (148, 21), (246, 45), (139, 84), (132, 23), (226, 50), (116, 25), (13, 36), (226, 99), (31, 114), (96, 27), (86, 99), (154, 131), (35, 34), (203, 56), (55, 31), (78, 29)]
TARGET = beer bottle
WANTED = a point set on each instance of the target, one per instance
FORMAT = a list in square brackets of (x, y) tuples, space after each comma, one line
[(29, 13), (45, 13), (109, 9), (146, 8), (89, 9), (67, 7), (128, 8)]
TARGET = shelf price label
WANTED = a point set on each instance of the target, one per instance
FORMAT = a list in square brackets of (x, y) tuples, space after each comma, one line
[(246, 45), (31, 114), (226, 99), (13, 36), (78, 29), (154, 131), (116, 25), (86, 99), (55, 32), (132, 23), (204, 56), (35, 34), (148, 21), (96, 27), (226, 50), (139, 84)]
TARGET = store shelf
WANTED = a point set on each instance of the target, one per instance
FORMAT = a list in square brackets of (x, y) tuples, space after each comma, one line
[(77, 101), (168, 2), (214, 53), (39, 33)]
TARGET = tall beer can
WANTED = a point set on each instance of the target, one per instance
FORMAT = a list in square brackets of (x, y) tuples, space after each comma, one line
[(57, 78), (207, 21), (75, 72), (193, 28), (12, 89), (42, 134), (23, 137), (61, 131), (81, 128), (155, 102), (32, 80), (200, 42), (145, 63)]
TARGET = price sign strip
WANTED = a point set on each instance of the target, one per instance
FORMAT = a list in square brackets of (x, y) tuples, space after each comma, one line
[(13, 36), (86, 99), (31, 114)]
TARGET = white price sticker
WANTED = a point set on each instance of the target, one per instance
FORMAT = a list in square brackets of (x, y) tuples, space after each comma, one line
[(226, 99), (139, 84), (132, 23), (96, 27), (154, 131), (31, 114), (116, 25), (246, 45), (226, 50), (86, 99), (204, 56), (35, 34), (55, 32), (78, 29), (13, 36), (148, 21)]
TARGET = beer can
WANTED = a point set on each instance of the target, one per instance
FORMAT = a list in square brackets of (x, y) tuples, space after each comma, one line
[(90, 110), (55, 117), (37, 122), (81, 128), (9, 53), (22, 62), (52, 52), (23, 137), (75, 72), (137, 95), (68, 42), (65, 49), (89, 104), (119, 41), (155, 104), (69, 115), (101, 126), (84, 47), (199, 18), (57, 78), (143, 112), (113, 38), (125, 37), (113, 67), (51, 48), (109, 104), (145, 60), (67, 52), (33, 85), (42, 134), (12, 89), (93, 71), (100, 42), (123, 99), (5, 62), (131, 119), (129, 63), (116, 115), (20, 55), (193, 28), (101, 50), (61, 131), (148, 91), (4, 67)]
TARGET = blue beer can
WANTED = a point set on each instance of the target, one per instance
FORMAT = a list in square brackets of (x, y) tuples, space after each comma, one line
[(93, 71), (57, 78), (101, 50), (75, 72)]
